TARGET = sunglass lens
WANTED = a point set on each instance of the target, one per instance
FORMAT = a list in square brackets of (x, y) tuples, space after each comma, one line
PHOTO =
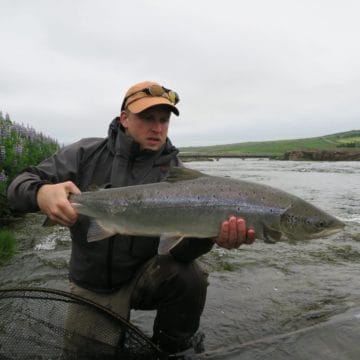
[(173, 97), (156, 90)]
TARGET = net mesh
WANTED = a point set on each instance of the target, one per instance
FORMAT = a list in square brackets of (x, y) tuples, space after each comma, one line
[(51, 324)]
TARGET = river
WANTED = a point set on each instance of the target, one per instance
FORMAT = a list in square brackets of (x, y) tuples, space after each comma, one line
[(265, 301)]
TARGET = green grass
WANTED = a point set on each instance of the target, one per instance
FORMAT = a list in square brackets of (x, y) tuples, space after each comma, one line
[(7, 245), (279, 147)]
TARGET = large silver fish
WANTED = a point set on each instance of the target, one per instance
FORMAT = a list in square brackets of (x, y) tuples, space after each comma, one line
[(192, 204)]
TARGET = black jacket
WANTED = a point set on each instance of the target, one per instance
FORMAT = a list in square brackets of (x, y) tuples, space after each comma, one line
[(111, 162)]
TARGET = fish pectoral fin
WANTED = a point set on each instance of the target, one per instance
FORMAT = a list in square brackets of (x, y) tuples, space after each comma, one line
[(271, 236), (167, 242), (97, 232)]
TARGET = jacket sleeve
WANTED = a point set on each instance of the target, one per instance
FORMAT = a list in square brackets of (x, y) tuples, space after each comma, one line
[(62, 166), (191, 248)]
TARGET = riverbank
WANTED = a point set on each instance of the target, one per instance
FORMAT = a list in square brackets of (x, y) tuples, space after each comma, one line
[(343, 146), (323, 155), (7, 245), (335, 154)]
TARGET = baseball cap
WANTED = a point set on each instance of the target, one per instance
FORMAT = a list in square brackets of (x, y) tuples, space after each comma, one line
[(146, 94)]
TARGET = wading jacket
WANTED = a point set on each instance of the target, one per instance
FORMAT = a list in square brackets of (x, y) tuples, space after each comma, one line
[(105, 162)]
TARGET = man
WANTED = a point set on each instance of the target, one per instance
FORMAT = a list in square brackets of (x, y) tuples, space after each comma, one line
[(124, 272)]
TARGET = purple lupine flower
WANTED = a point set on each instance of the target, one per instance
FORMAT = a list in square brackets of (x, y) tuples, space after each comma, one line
[(2, 153), (30, 133), (16, 128), (18, 149), (5, 131), (3, 176)]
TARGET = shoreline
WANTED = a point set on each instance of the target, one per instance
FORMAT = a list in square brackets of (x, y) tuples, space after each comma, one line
[(338, 154)]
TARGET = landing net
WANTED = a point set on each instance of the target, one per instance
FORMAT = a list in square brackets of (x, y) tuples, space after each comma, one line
[(38, 323)]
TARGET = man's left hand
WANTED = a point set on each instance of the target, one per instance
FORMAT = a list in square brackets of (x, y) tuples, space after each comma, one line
[(234, 233)]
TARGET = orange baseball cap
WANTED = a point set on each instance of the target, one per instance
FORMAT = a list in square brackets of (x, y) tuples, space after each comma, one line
[(146, 94)]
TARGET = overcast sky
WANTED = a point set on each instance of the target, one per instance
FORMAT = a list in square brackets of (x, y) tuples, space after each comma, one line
[(245, 70)]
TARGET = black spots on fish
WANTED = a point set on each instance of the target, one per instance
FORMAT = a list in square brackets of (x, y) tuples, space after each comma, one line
[(291, 219)]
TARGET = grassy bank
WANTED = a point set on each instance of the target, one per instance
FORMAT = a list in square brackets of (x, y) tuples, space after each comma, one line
[(7, 245), (278, 148)]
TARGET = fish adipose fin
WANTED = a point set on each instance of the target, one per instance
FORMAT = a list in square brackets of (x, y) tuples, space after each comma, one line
[(98, 232), (271, 236), (180, 174), (167, 242)]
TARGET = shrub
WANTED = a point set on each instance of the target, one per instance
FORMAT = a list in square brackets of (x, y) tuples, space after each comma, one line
[(20, 146)]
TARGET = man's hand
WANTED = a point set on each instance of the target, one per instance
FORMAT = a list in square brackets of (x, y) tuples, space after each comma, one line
[(53, 200), (233, 233)]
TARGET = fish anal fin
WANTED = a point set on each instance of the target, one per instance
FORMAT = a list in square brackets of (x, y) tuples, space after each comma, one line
[(271, 236), (167, 242), (97, 232)]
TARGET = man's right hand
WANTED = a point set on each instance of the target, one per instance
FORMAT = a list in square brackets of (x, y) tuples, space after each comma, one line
[(53, 200)]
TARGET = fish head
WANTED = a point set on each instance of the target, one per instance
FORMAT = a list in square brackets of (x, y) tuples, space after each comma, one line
[(305, 221)]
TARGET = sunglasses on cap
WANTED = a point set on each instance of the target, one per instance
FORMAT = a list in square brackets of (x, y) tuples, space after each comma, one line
[(153, 90)]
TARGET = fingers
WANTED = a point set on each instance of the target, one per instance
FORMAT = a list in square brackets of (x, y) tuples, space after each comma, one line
[(71, 188), (53, 201), (234, 233), (63, 213), (251, 235)]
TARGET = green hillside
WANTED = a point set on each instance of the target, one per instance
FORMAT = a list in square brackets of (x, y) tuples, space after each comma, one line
[(349, 139)]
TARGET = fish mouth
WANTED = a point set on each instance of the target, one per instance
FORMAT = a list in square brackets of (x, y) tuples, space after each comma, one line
[(316, 235), (326, 232)]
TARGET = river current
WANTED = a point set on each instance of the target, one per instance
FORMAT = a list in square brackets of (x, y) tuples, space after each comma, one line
[(265, 301)]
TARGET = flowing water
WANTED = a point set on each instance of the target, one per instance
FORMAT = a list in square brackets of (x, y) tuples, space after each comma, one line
[(265, 301)]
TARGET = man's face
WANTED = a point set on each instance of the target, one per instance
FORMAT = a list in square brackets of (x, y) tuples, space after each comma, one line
[(149, 128)]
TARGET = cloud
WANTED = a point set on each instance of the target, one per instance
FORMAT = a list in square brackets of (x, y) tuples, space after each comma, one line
[(244, 70)]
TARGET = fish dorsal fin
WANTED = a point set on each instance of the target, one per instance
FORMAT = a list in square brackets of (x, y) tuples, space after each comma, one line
[(176, 174)]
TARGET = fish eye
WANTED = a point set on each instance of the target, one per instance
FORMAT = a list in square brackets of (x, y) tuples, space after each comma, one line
[(320, 224)]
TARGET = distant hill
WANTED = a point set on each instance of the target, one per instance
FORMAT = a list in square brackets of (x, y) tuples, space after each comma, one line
[(278, 148)]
